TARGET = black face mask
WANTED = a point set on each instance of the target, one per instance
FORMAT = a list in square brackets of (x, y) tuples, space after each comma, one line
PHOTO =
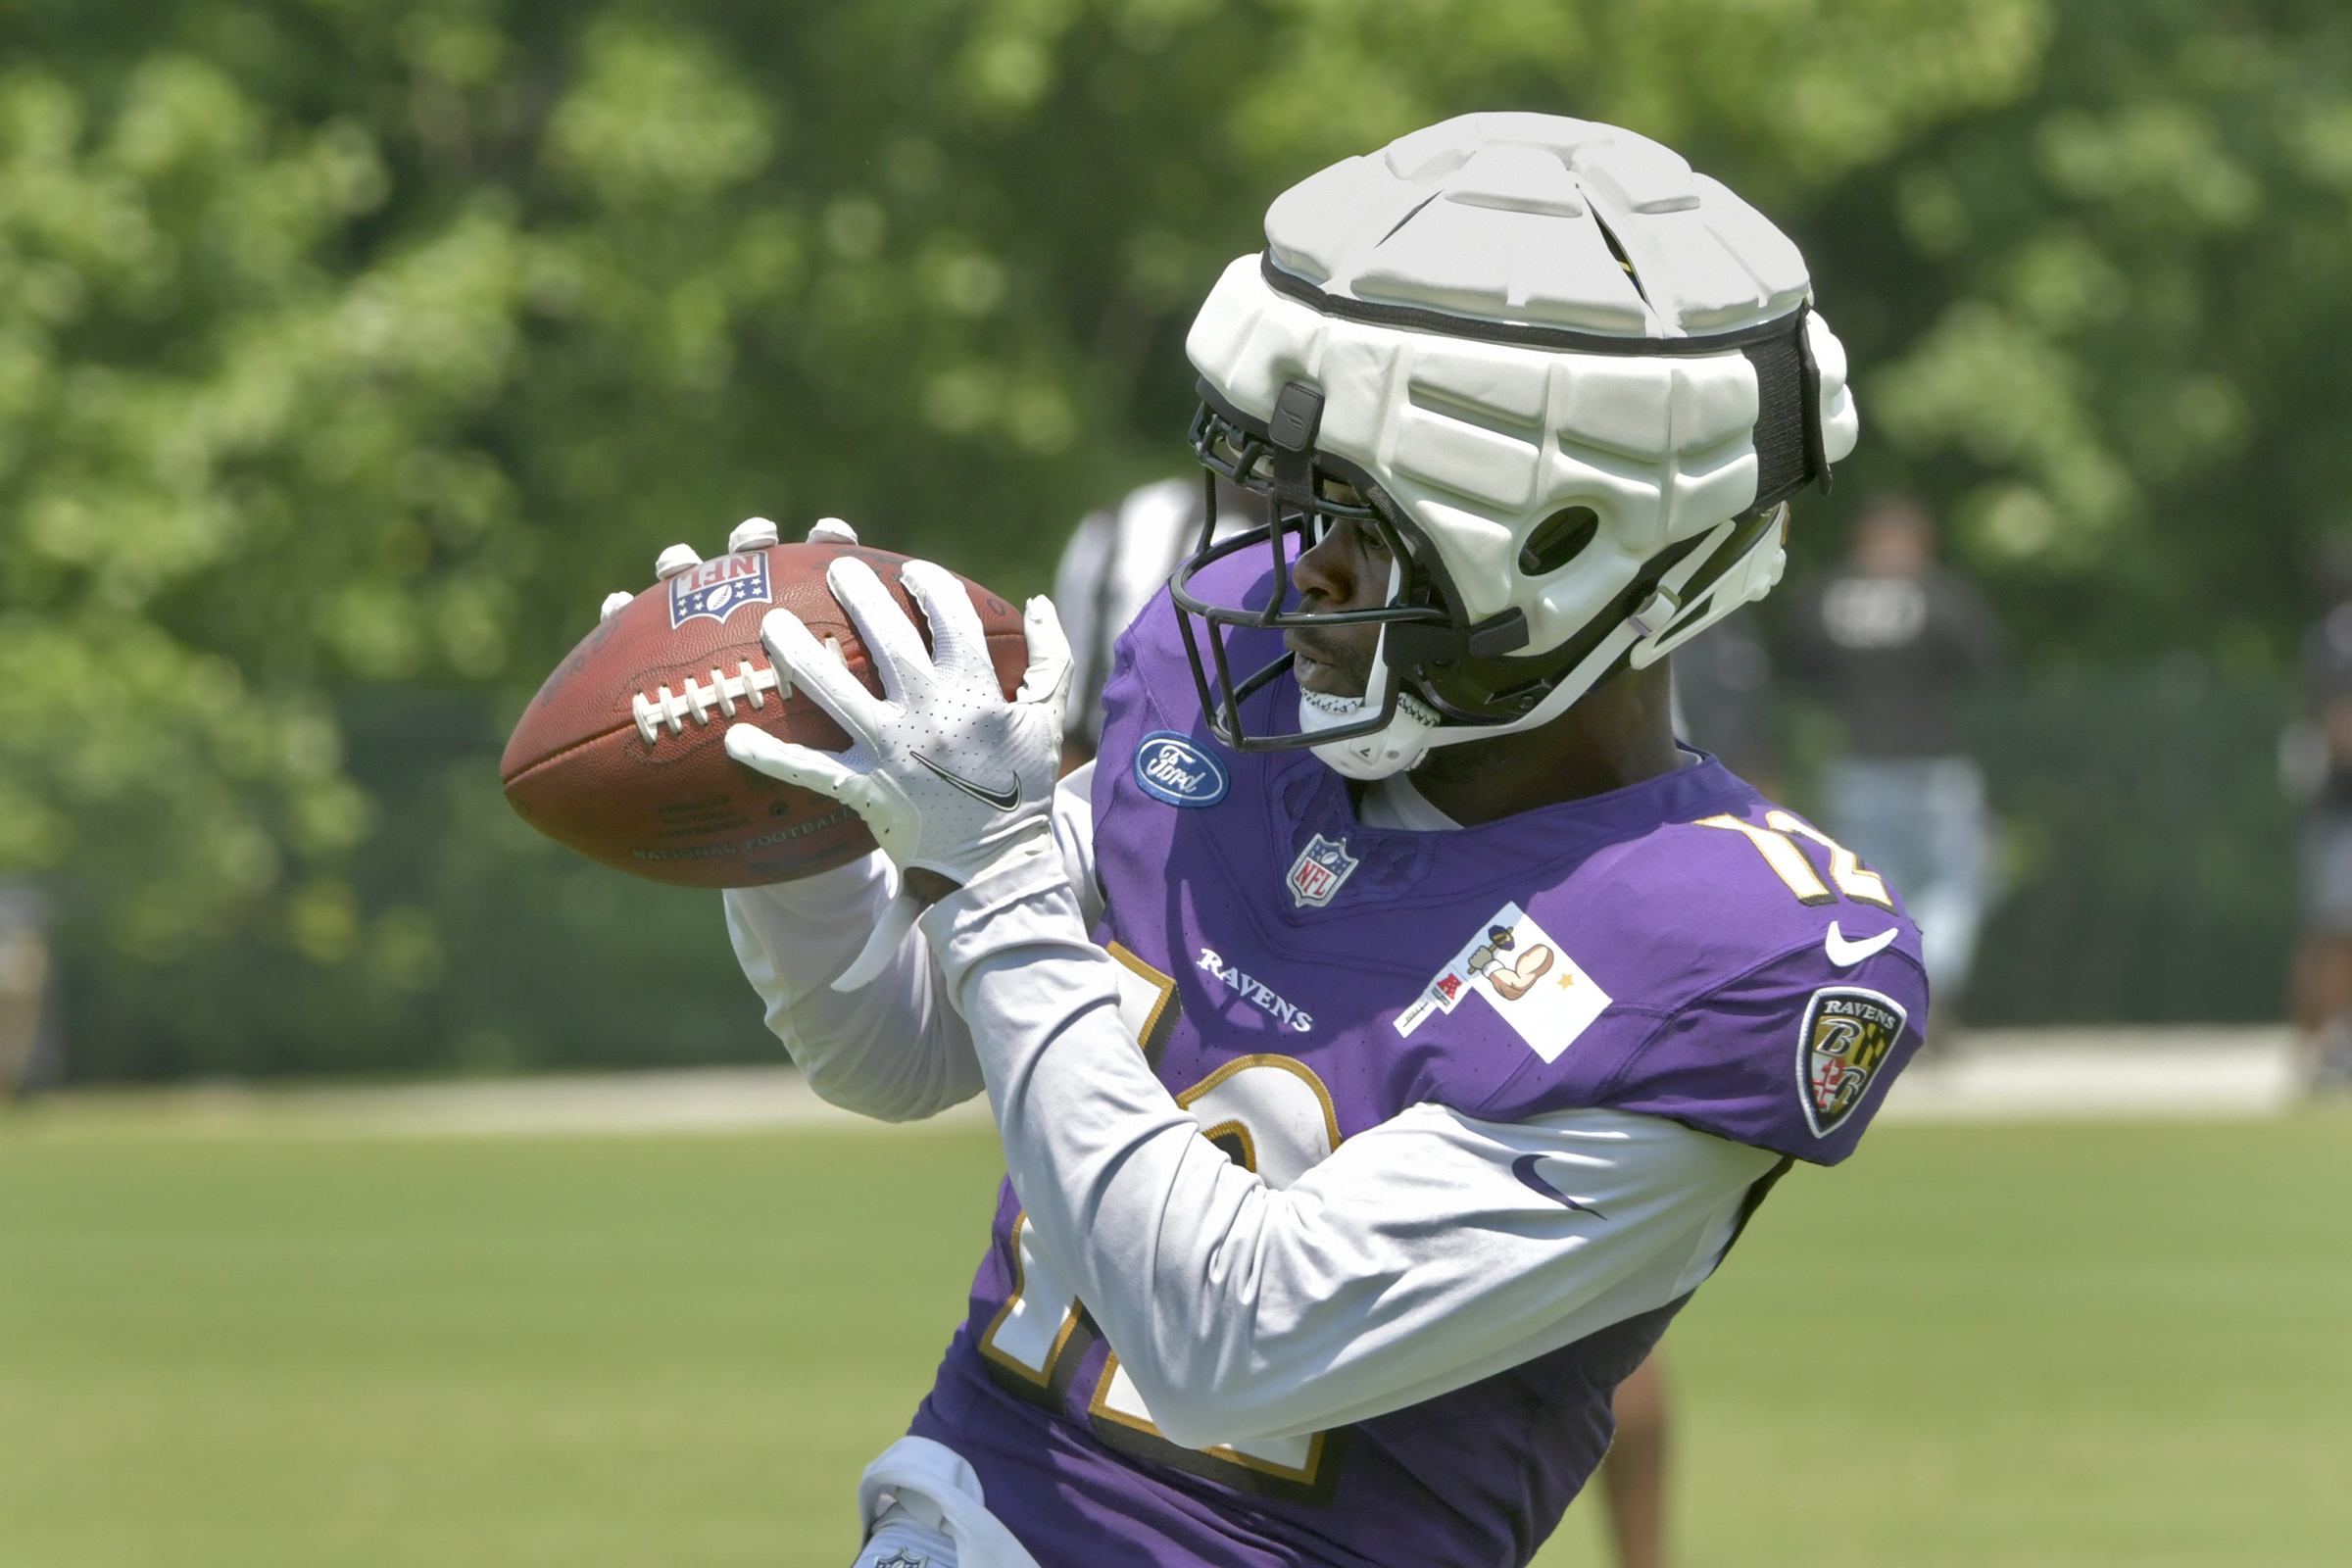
[(1423, 625)]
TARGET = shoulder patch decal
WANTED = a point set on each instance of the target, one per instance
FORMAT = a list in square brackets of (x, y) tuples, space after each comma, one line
[(1526, 976), (1845, 1038), (1178, 770)]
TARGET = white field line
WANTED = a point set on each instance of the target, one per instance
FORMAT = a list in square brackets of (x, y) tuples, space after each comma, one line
[(2039, 1074), (704, 1099), (2005, 1075)]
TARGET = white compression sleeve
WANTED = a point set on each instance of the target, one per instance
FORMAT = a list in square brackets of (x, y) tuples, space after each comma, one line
[(893, 1048), (1416, 1258)]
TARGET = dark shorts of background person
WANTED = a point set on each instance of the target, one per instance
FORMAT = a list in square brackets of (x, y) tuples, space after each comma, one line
[(2326, 863)]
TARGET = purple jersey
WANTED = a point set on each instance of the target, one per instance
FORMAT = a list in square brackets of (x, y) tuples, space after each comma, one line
[(1656, 950)]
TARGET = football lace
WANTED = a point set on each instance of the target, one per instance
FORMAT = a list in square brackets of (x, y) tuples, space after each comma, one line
[(749, 684)]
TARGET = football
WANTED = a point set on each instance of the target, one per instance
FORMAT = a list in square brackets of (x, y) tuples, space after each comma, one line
[(621, 755)]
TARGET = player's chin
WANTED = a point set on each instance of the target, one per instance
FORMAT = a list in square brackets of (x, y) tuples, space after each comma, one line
[(1324, 670)]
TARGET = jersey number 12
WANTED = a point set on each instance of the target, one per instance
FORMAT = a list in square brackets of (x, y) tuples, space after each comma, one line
[(1271, 1114)]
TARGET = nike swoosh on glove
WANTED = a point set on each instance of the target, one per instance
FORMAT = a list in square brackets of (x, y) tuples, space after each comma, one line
[(949, 776)]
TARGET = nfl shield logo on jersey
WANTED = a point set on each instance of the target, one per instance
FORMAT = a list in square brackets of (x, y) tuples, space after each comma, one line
[(1846, 1035), (717, 588), (1319, 870)]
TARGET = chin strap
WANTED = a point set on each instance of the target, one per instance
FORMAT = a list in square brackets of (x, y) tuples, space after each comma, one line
[(1395, 747)]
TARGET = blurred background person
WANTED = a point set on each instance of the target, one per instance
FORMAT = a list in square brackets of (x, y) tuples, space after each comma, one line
[(25, 983), (1114, 562), (1888, 641), (2319, 768), (1723, 699), (1633, 1475)]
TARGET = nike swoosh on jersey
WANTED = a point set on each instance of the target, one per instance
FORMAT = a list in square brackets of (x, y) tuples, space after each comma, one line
[(1524, 1167), (1002, 799), (1845, 954)]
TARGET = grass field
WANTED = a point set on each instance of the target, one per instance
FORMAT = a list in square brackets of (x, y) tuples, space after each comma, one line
[(2098, 1344)]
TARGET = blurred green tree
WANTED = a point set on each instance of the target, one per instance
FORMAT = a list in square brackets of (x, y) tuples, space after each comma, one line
[(349, 354)]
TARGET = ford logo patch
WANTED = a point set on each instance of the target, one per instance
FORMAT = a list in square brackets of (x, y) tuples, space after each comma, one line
[(1174, 769)]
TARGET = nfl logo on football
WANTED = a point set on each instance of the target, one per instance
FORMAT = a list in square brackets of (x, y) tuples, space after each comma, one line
[(1319, 870), (718, 587)]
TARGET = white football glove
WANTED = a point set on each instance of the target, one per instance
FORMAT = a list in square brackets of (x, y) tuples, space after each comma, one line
[(949, 776)]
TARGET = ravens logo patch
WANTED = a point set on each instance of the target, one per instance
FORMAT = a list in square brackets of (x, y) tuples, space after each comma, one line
[(1847, 1035)]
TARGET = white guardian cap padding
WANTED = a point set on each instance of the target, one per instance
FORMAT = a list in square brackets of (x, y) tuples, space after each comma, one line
[(1573, 380)]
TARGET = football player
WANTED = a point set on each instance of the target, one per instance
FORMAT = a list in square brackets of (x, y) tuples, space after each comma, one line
[(1394, 1026), (1116, 562)]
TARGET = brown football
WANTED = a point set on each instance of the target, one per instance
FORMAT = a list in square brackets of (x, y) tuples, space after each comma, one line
[(621, 755)]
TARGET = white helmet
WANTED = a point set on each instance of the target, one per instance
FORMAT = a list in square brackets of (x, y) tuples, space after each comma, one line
[(1570, 381)]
